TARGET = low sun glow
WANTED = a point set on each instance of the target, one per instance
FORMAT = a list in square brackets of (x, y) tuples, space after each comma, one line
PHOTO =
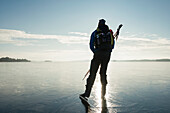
[(100, 104)]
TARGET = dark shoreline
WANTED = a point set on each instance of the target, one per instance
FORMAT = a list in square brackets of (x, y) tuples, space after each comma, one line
[(7, 59)]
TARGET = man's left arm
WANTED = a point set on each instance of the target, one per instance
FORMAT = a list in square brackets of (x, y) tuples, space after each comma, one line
[(92, 42)]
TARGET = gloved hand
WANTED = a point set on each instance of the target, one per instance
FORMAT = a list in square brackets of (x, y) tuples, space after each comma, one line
[(120, 26)]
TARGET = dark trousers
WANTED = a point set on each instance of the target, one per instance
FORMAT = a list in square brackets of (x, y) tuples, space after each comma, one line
[(100, 58)]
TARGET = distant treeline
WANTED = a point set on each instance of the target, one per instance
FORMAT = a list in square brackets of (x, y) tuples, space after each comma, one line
[(7, 59), (163, 60)]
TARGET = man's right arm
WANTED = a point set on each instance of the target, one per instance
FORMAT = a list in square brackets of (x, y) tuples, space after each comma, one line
[(112, 39)]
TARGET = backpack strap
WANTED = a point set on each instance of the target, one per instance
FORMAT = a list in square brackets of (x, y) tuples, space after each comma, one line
[(112, 37)]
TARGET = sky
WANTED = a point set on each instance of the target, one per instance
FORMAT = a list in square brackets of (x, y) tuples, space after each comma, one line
[(59, 30)]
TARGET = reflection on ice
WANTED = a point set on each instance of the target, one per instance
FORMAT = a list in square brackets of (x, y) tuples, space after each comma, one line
[(104, 104), (101, 103), (98, 93)]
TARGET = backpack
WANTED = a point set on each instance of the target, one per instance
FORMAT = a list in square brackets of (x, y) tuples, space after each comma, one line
[(103, 40)]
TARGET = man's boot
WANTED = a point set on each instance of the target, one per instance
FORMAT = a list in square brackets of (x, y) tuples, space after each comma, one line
[(87, 92)]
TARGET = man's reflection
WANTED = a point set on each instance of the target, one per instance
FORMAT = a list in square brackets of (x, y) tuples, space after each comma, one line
[(90, 109), (104, 105)]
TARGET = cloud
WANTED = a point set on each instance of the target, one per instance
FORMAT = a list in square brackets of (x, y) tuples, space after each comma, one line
[(142, 47), (79, 33), (10, 36), (16, 37), (139, 43), (128, 46)]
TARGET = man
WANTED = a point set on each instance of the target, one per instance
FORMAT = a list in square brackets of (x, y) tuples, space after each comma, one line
[(101, 44)]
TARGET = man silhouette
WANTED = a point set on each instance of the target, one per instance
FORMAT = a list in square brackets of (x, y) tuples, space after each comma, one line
[(101, 44)]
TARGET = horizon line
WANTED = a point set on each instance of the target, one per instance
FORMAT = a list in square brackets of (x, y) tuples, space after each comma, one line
[(113, 60)]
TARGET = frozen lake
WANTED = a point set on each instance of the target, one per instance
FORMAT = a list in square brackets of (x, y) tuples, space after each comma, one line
[(53, 87)]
